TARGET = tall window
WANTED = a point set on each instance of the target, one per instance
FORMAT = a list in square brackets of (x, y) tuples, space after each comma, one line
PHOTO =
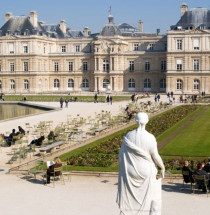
[(147, 66), (56, 83), (106, 65), (196, 64), (163, 65), (85, 83), (162, 84), (196, 44), (0, 84), (131, 83), (136, 47), (179, 84), (12, 66), (196, 84), (77, 48), (179, 44), (26, 84), (70, 66), (56, 67), (12, 84), (179, 64), (63, 48), (85, 66), (25, 48), (70, 83), (0, 67), (105, 83), (151, 46), (147, 84), (11, 48), (25, 66), (131, 65)]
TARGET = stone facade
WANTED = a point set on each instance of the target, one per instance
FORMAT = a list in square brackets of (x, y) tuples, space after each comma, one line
[(44, 58)]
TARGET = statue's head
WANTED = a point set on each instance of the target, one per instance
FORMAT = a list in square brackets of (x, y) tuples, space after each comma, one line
[(142, 118)]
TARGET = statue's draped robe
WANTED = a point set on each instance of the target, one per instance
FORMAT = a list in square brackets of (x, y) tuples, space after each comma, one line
[(139, 192)]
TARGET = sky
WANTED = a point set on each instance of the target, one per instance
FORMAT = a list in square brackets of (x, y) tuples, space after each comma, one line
[(93, 13)]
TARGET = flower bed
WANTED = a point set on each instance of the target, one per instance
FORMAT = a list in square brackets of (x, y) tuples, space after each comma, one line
[(106, 153)]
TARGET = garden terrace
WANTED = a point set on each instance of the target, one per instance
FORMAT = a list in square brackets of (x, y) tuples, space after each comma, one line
[(103, 154)]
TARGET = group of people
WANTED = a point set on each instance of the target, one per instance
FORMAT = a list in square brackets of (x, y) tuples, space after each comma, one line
[(157, 97), (109, 99), (171, 98), (202, 169), (38, 141), (66, 101), (13, 136)]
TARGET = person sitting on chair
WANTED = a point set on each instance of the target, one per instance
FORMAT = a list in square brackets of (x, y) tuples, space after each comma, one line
[(200, 171), (207, 166), (50, 170), (9, 139), (20, 131), (51, 136), (187, 169), (38, 142)]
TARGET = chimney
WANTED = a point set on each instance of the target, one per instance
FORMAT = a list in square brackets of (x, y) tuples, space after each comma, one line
[(63, 26), (140, 26), (8, 16), (34, 18), (183, 8), (86, 31)]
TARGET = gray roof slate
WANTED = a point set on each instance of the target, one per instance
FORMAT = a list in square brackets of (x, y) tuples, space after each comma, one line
[(194, 18)]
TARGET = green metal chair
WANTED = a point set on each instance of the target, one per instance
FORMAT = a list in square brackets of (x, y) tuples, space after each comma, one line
[(200, 181), (54, 175), (38, 169)]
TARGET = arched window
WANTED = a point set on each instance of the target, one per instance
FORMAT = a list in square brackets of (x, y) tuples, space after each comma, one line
[(26, 84), (196, 84), (70, 83), (179, 84), (85, 83), (105, 83), (131, 83), (0, 84), (162, 84), (56, 83), (147, 84), (12, 84)]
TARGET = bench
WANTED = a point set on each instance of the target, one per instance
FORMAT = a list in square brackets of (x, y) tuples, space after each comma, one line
[(51, 147), (99, 130)]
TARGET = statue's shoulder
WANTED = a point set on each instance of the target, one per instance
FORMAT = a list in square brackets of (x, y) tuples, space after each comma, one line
[(131, 134), (151, 136)]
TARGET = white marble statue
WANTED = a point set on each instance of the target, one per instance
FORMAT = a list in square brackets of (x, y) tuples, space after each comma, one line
[(139, 192)]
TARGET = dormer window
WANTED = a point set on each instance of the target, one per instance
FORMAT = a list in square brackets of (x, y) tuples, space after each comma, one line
[(26, 32), (179, 27), (151, 46)]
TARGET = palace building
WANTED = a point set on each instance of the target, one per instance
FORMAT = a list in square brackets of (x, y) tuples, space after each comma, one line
[(41, 58)]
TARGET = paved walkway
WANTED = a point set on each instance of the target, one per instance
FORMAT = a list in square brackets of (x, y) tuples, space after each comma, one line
[(23, 195)]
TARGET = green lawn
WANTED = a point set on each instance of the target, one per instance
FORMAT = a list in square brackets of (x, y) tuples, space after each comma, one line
[(194, 140), (56, 98)]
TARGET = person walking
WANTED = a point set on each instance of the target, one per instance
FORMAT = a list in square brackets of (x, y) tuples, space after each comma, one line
[(110, 98), (107, 99), (96, 98), (61, 102), (67, 102)]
